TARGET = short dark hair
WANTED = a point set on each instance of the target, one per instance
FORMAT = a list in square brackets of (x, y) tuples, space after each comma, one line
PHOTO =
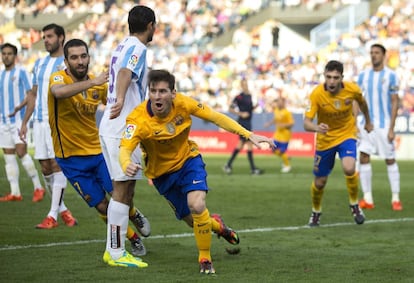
[(9, 45), (74, 43), (380, 46), (139, 17), (59, 30), (334, 65), (155, 76)]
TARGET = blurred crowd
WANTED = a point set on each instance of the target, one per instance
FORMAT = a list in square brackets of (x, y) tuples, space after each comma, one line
[(212, 75)]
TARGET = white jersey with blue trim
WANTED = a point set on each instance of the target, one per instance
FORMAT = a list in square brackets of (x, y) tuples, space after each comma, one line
[(42, 70), (130, 54), (14, 85), (378, 88)]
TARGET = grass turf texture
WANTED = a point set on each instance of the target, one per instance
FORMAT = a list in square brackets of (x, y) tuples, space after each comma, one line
[(270, 212)]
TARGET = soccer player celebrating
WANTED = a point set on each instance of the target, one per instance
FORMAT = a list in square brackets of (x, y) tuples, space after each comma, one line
[(332, 103), (161, 126)]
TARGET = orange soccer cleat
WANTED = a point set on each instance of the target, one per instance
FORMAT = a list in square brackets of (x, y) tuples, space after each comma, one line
[(11, 197), (38, 194), (48, 223), (397, 206), (68, 218), (365, 205)]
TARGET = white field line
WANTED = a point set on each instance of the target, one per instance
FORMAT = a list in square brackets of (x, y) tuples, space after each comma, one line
[(184, 235)]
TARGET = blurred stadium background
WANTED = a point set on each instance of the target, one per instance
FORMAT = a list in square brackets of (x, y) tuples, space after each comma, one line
[(281, 46)]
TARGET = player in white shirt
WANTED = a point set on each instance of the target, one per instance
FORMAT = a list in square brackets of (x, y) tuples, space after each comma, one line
[(14, 86), (55, 180), (126, 90), (380, 87)]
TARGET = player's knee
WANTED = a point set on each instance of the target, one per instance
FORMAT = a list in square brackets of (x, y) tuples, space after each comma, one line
[(390, 161), (102, 207), (349, 172), (320, 183), (364, 158), (197, 206)]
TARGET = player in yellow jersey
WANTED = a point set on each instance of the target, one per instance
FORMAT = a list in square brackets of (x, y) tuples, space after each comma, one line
[(283, 121), (161, 126), (73, 99), (336, 132)]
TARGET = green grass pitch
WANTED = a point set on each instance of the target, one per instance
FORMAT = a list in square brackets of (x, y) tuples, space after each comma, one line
[(270, 212)]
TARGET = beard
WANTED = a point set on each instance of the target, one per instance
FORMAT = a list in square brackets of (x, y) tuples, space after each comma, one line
[(79, 75)]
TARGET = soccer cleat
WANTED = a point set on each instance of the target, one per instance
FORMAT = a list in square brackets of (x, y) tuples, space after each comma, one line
[(285, 169), (397, 206), (38, 194), (357, 214), (315, 219), (206, 267), (48, 223), (227, 233), (141, 223), (227, 169), (257, 171), (126, 260), (137, 247), (11, 197), (365, 205), (68, 218)]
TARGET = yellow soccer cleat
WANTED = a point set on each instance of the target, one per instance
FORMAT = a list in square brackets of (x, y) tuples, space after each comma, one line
[(126, 260)]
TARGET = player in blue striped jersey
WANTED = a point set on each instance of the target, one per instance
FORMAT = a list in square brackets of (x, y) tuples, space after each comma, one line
[(14, 86), (55, 180), (380, 87)]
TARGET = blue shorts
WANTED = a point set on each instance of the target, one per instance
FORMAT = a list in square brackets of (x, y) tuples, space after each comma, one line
[(88, 175), (175, 186), (325, 159), (280, 146)]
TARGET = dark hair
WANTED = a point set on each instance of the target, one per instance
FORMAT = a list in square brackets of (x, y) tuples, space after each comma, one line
[(139, 17), (59, 30), (155, 76), (380, 46), (74, 43), (9, 45), (334, 65)]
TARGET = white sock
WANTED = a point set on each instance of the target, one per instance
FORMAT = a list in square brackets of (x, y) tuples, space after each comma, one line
[(365, 177), (59, 180), (12, 172), (58, 189), (394, 179), (118, 216), (28, 164)]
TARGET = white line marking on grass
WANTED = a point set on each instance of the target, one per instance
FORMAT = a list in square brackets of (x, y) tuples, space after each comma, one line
[(184, 235)]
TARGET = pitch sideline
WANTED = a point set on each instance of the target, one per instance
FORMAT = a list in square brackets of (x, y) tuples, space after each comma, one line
[(183, 235)]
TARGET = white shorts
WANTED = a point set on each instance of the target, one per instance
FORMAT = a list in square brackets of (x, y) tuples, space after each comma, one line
[(42, 138), (110, 150), (376, 143), (10, 135)]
